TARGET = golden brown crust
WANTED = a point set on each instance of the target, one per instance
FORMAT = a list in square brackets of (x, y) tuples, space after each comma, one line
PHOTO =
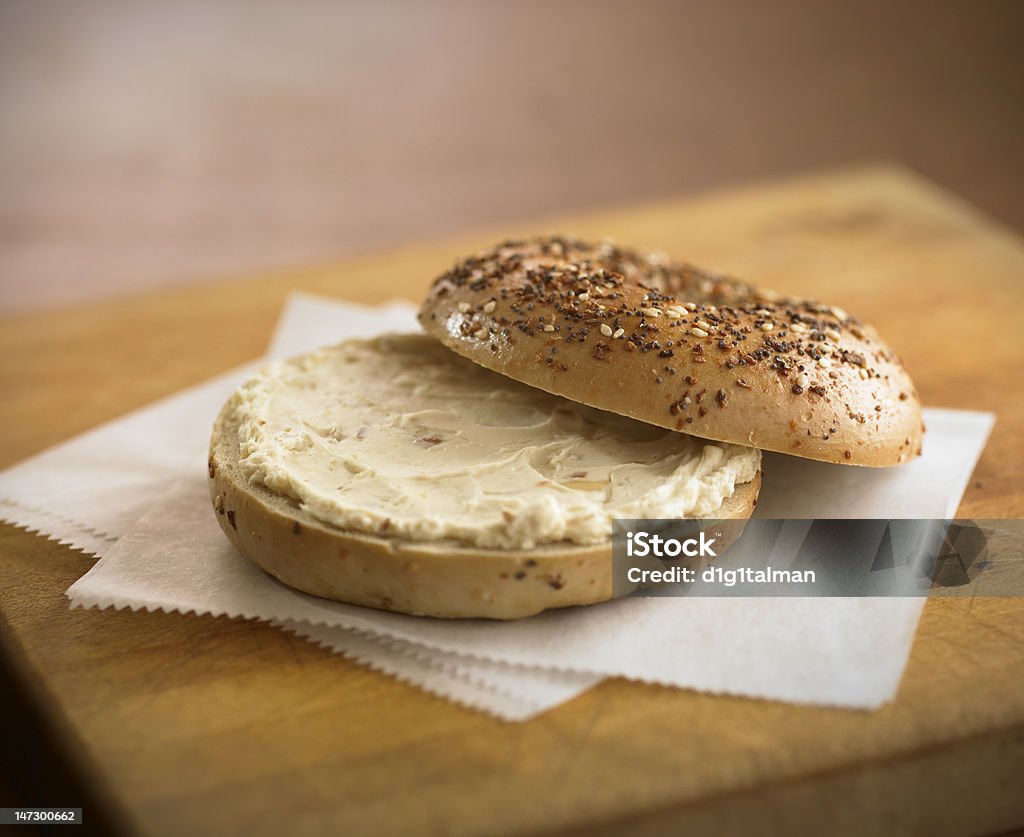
[(430, 579), (680, 348)]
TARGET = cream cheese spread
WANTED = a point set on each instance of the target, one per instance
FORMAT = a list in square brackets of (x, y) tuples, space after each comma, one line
[(401, 437)]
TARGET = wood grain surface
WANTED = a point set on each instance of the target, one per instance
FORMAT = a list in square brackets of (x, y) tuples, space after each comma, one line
[(183, 724)]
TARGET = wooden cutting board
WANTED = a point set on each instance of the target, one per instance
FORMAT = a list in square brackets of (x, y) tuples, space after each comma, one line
[(191, 725)]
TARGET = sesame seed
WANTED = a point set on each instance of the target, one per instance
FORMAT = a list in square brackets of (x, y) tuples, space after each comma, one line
[(840, 314), (863, 373), (606, 330), (834, 335), (583, 297), (690, 306), (825, 363), (651, 312), (490, 306), (703, 325), (463, 307), (799, 328), (698, 332), (767, 326), (480, 333), (549, 327), (618, 333)]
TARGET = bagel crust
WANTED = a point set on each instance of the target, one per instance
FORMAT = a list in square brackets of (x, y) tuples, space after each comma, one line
[(680, 348), (440, 579)]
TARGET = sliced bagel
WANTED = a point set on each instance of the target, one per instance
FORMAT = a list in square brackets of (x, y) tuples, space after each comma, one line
[(680, 348), (440, 579), (263, 471)]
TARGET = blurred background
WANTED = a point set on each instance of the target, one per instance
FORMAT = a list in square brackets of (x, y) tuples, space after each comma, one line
[(146, 143)]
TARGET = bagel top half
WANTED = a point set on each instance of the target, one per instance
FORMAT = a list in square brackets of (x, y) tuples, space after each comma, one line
[(680, 348)]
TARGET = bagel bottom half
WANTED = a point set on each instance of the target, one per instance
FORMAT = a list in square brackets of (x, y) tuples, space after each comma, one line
[(440, 579)]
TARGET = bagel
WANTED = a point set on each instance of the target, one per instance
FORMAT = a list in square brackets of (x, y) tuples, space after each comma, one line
[(394, 474), (679, 348)]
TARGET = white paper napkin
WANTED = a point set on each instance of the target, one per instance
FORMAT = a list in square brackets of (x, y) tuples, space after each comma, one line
[(847, 652), (841, 651)]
